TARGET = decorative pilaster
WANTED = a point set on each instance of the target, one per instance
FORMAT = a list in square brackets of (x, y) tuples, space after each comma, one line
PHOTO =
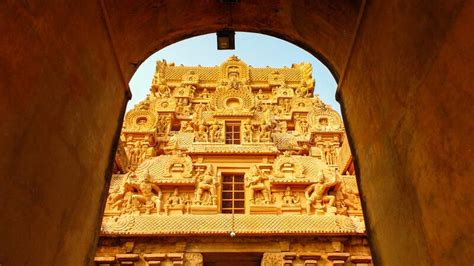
[(310, 259), (154, 258), (361, 260), (127, 259), (338, 258), (176, 258), (104, 261), (288, 258)]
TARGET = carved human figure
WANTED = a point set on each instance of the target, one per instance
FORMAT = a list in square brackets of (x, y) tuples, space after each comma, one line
[(161, 90), (302, 126), (247, 131), (302, 90), (206, 184), (289, 198), (174, 201), (348, 198), (150, 196), (286, 104), (263, 133), (257, 182), (202, 132), (135, 153), (317, 193), (214, 131)]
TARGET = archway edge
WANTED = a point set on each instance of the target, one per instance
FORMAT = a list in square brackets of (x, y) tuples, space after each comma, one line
[(151, 27)]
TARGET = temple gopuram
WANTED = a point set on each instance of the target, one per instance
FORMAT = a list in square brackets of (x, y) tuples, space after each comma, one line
[(233, 165)]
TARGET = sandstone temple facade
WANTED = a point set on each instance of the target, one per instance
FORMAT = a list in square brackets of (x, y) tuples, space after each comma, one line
[(233, 165)]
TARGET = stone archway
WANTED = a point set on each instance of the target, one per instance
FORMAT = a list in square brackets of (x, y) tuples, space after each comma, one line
[(405, 76)]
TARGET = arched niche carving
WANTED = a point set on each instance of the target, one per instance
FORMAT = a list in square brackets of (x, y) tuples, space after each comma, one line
[(287, 163), (140, 120)]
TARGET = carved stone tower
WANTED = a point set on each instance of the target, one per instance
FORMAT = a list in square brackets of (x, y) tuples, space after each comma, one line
[(233, 165)]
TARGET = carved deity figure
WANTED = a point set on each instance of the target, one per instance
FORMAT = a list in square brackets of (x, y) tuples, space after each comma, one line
[(135, 153), (302, 126), (174, 201), (317, 193), (247, 131), (204, 94), (205, 193), (150, 196), (303, 90), (289, 198), (201, 134), (215, 130), (160, 89), (164, 124), (257, 182), (263, 133), (347, 199), (286, 104), (260, 95)]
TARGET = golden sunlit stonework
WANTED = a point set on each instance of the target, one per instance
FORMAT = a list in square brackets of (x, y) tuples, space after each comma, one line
[(214, 151)]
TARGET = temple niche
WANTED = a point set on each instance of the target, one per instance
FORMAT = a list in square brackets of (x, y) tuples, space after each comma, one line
[(232, 148)]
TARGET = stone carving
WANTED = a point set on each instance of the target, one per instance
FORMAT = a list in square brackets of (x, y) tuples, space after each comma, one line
[(317, 194), (179, 163), (160, 89), (201, 134), (261, 96), (302, 126), (290, 199), (191, 78), (204, 94), (206, 183), (272, 259), (139, 121), (193, 259), (283, 91), (258, 183), (149, 196), (139, 151), (287, 166), (215, 132), (324, 118), (183, 107), (164, 124), (347, 199), (292, 137), (174, 201), (135, 199)]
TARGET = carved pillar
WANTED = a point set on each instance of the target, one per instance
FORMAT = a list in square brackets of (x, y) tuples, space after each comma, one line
[(288, 258), (337, 258), (272, 259), (176, 258), (127, 259), (154, 258), (104, 261), (310, 259), (193, 259), (361, 260)]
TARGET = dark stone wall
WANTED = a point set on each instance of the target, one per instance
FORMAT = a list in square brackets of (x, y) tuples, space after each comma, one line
[(61, 99), (408, 100)]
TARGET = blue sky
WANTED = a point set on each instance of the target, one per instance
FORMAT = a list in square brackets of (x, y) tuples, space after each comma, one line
[(257, 50)]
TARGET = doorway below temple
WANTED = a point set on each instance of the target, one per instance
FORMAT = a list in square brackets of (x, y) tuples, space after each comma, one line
[(232, 259)]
